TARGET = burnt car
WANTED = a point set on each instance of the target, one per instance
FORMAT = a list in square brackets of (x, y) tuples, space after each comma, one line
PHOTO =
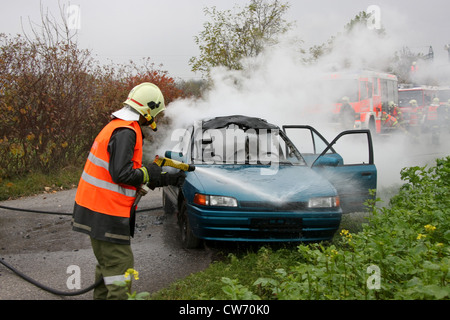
[(252, 183)]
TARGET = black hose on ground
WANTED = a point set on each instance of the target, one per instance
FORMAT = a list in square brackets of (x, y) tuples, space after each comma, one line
[(44, 287), (63, 213), (48, 289)]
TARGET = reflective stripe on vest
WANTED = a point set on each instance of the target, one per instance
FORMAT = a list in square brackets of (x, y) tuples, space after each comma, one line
[(432, 113), (96, 189), (108, 185), (98, 162)]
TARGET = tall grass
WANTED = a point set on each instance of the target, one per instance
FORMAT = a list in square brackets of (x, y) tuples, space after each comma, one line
[(38, 182)]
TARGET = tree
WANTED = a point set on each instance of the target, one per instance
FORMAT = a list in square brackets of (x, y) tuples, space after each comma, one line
[(229, 37), (358, 23), (361, 20), (192, 88), (405, 63)]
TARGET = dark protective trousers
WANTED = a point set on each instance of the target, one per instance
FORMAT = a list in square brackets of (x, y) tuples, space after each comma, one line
[(113, 261)]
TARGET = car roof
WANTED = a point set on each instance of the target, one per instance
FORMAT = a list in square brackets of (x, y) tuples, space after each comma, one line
[(243, 122)]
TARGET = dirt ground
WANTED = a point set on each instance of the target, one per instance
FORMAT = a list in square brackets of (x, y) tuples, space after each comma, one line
[(43, 246)]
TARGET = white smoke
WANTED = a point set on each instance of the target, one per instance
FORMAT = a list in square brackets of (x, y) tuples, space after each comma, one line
[(280, 87)]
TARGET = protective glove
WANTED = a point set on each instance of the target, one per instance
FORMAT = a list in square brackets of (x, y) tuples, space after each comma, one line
[(152, 175), (154, 171), (173, 179), (157, 178)]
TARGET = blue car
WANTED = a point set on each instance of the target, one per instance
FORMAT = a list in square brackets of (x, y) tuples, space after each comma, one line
[(252, 183)]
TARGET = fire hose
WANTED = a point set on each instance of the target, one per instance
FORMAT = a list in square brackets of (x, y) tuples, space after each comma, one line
[(159, 161), (40, 285), (48, 289)]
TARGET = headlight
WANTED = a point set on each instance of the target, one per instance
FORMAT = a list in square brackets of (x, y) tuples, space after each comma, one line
[(217, 201), (323, 202)]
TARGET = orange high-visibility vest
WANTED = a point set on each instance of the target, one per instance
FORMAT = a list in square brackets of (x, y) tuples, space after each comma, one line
[(432, 114), (96, 189), (388, 120)]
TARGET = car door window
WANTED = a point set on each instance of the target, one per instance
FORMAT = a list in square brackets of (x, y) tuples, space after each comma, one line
[(309, 142), (353, 149), (356, 145), (306, 139)]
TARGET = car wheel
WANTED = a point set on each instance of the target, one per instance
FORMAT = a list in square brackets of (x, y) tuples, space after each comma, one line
[(188, 239)]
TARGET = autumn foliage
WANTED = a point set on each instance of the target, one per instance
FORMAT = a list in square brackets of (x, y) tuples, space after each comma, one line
[(55, 98)]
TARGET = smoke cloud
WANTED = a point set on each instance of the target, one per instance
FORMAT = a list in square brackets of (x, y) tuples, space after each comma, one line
[(282, 88)]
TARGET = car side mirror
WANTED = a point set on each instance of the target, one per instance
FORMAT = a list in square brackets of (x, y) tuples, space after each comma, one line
[(173, 155)]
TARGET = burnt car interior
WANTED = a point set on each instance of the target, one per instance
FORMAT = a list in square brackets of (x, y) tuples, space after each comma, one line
[(242, 140)]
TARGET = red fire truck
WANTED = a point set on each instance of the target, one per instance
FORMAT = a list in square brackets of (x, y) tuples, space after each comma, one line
[(443, 93), (423, 96), (368, 92)]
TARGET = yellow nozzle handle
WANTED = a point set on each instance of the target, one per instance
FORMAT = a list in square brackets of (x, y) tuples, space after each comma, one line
[(173, 163)]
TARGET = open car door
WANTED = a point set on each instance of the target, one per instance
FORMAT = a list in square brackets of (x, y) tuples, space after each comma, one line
[(347, 162)]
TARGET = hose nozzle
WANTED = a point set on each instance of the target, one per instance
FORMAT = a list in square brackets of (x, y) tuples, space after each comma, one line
[(174, 164)]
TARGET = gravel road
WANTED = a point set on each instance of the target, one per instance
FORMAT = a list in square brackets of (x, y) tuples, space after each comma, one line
[(43, 246)]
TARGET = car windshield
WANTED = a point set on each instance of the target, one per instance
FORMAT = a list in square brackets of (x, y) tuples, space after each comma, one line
[(235, 145)]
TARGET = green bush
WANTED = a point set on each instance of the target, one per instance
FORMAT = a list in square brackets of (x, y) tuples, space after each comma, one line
[(401, 253), (47, 115), (55, 98)]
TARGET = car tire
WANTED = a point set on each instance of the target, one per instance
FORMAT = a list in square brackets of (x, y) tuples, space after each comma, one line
[(188, 239)]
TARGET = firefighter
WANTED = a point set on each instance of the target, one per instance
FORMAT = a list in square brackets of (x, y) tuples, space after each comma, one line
[(416, 113), (415, 118), (347, 114), (432, 110), (109, 183), (443, 116), (388, 121), (396, 112), (432, 122)]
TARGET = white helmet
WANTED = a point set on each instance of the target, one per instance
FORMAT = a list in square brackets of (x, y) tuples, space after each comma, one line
[(147, 99)]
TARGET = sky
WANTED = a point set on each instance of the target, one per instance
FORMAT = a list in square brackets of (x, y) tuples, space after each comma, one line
[(165, 30)]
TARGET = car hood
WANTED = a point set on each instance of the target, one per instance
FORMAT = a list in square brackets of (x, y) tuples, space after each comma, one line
[(257, 183)]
